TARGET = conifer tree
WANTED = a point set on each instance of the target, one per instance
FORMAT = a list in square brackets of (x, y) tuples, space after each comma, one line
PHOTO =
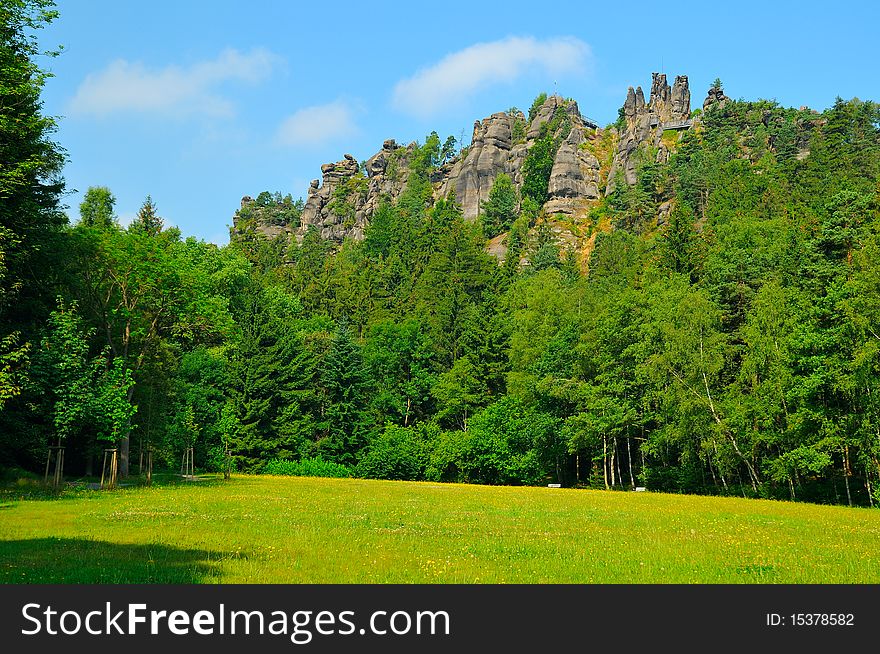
[(148, 219), (344, 381), (499, 211)]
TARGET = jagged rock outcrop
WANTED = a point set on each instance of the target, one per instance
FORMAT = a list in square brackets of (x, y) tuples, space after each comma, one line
[(544, 115), (319, 208), (500, 144), (341, 204), (387, 172), (269, 215), (574, 180), (667, 108), (471, 178), (670, 104), (715, 96)]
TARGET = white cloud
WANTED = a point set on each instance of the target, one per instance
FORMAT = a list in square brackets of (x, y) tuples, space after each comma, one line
[(311, 126), (125, 86), (460, 74)]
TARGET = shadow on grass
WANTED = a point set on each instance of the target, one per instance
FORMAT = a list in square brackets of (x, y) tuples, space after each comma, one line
[(83, 561), (207, 479), (32, 490)]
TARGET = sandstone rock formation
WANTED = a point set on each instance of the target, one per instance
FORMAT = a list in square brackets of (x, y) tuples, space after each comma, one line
[(318, 204), (500, 144), (489, 154), (667, 108), (341, 204), (269, 216), (574, 180), (715, 96)]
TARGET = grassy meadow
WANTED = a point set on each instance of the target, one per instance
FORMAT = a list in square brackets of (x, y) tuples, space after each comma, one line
[(305, 530)]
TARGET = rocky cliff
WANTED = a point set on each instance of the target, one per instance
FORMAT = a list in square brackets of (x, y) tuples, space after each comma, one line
[(668, 109), (341, 203)]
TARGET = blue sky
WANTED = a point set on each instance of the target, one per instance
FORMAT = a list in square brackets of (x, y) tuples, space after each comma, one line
[(200, 103)]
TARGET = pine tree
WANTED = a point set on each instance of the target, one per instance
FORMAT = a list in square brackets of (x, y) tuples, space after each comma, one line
[(680, 251), (148, 219), (254, 373), (31, 185), (499, 211), (344, 380), (457, 273)]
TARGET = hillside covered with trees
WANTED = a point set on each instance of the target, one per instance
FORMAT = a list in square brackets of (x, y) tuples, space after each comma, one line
[(707, 321)]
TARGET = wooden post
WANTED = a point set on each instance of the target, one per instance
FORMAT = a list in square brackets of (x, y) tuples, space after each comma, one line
[(58, 468), (187, 467), (103, 468), (109, 472)]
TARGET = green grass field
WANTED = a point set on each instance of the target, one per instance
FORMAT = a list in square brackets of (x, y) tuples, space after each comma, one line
[(303, 530)]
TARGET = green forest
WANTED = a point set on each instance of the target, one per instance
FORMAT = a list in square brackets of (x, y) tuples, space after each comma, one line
[(730, 347)]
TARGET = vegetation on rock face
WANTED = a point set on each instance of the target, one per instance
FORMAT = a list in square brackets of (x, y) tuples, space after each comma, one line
[(518, 130), (499, 211), (724, 340), (268, 209), (539, 161), (345, 197), (536, 105)]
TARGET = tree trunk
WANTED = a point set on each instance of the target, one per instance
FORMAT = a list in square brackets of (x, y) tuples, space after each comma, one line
[(617, 460), (613, 451), (605, 460), (642, 452), (629, 459), (124, 446), (125, 443), (846, 474), (712, 472), (720, 474), (227, 462)]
